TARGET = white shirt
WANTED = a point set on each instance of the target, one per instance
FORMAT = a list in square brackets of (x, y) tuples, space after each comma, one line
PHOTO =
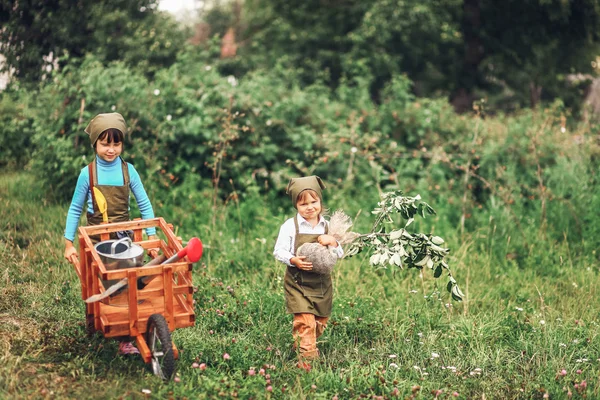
[(284, 247)]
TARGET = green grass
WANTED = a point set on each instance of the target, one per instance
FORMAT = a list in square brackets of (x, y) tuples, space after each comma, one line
[(526, 318)]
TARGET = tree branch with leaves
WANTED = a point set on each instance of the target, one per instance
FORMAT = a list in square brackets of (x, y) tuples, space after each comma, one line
[(398, 247)]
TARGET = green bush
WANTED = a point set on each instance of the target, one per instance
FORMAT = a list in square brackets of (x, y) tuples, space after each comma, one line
[(199, 139), (16, 129)]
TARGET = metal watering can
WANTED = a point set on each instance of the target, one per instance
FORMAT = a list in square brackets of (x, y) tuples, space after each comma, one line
[(119, 254)]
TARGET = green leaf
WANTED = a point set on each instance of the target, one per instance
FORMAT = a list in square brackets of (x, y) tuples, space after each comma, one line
[(395, 234), (438, 271), (437, 240)]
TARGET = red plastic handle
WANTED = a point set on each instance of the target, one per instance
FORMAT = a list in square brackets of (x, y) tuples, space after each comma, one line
[(193, 250)]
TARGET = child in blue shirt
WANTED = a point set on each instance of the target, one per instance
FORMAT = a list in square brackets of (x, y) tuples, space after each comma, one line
[(115, 179)]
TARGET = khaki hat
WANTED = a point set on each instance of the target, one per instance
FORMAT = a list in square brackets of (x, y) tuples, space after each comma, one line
[(298, 185), (102, 122)]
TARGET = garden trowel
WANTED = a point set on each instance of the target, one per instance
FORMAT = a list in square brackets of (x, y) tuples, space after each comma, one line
[(102, 206)]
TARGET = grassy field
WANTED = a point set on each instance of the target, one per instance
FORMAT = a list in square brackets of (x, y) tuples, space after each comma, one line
[(528, 329)]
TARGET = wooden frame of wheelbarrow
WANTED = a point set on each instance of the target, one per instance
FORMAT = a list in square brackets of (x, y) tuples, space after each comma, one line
[(169, 293)]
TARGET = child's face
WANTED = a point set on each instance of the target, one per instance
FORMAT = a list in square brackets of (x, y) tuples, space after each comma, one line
[(108, 151), (309, 207)]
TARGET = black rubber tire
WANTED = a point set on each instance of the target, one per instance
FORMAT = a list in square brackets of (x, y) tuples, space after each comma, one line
[(159, 342)]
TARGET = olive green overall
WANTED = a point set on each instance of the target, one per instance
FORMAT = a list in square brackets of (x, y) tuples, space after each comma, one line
[(306, 291), (309, 296), (117, 199)]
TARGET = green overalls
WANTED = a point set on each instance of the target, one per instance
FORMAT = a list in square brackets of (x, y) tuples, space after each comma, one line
[(117, 200), (306, 291)]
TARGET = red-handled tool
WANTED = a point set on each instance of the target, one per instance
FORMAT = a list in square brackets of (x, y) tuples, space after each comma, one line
[(193, 251)]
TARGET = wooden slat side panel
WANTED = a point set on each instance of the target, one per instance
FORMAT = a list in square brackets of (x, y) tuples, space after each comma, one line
[(171, 238), (120, 226), (133, 304), (145, 271), (121, 328), (168, 286), (94, 289)]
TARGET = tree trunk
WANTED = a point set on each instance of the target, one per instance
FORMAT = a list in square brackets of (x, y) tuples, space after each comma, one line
[(535, 94), (468, 77)]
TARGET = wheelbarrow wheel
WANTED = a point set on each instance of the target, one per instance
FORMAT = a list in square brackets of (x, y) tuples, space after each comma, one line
[(159, 342)]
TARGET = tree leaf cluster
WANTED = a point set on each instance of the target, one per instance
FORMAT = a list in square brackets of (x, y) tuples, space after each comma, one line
[(38, 36), (395, 246), (515, 53)]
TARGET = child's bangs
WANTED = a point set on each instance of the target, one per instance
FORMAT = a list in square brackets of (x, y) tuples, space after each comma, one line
[(111, 135), (307, 194)]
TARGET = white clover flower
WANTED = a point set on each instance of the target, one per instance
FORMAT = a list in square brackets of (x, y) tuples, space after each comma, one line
[(542, 322), (392, 356), (113, 107), (269, 122), (413, 291), (207, 68), (563, 129), (146, 391), (518, 309), (434, 355), (156, 92), (394, 365), (354, 149), (169, 117), (562, 345), (417, 367), (231, 80)]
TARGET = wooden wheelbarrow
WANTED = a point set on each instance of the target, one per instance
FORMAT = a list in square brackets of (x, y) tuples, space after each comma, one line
[(150, 312)]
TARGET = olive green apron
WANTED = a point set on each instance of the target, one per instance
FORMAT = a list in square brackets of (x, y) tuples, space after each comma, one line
[(117, 200), (306, 291)]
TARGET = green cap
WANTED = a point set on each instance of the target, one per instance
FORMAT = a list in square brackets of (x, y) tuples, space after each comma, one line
[(102, 122), (298, 185)]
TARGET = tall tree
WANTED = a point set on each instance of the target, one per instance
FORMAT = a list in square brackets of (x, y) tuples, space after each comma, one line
[(113, 29), (460, 48), (528, 44), (311, 35)]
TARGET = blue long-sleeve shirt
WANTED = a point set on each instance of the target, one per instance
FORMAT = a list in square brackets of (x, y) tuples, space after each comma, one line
[(110, 174)]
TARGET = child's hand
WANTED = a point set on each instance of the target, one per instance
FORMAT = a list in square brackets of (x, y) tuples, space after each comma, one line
[(301, 264), (71, 252), (327, 240)]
